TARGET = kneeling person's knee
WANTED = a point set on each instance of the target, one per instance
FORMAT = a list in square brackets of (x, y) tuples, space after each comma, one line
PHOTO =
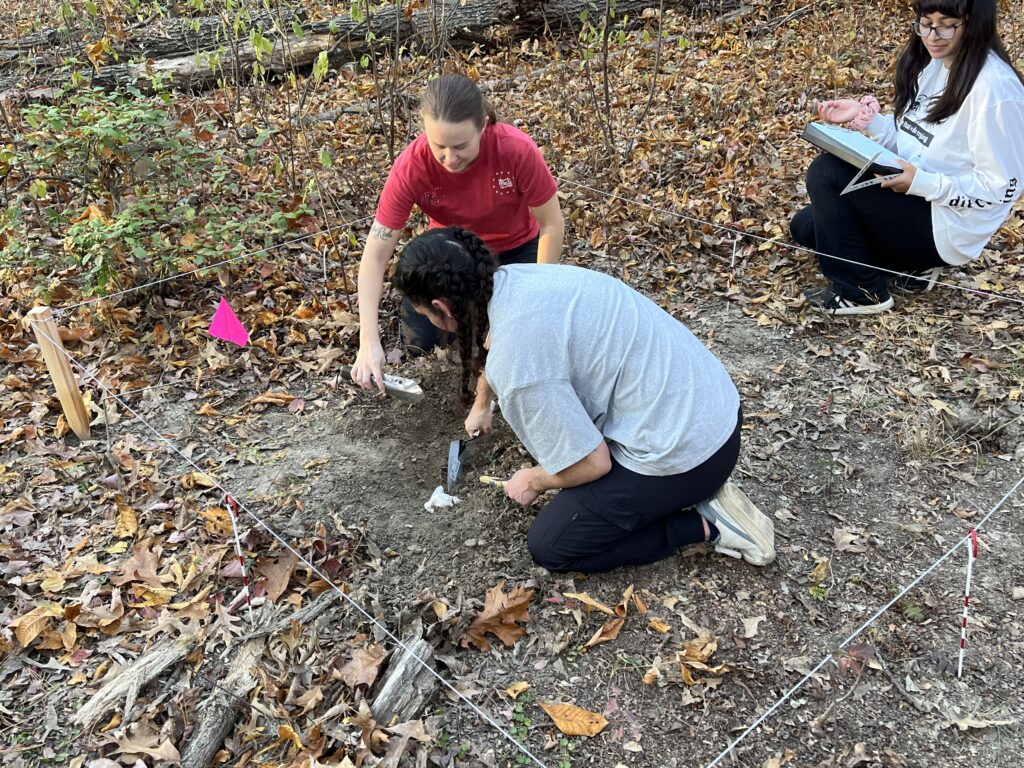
[(542, 549)]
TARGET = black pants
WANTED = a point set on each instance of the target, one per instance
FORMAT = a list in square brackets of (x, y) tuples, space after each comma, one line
[(419, 335), (872, 226), (625, 518)]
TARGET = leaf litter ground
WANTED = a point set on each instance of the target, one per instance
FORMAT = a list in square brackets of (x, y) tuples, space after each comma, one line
[(873, 444)]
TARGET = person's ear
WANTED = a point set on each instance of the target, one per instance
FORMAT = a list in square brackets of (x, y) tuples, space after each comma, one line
[(442, 308)]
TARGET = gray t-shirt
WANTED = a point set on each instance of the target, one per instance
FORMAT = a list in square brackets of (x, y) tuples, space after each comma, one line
[(577, 356)]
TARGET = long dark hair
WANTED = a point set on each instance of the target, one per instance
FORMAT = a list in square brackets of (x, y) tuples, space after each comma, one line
[(453, 264), (453, 98), (978, 38)]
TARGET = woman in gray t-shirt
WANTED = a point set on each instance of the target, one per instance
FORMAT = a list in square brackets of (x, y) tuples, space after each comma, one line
[(624, 410)]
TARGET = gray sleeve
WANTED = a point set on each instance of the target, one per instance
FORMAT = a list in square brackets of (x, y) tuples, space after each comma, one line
[(552, 423)]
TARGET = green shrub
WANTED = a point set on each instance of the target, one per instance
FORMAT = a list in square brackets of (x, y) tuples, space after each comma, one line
[(132, 189)]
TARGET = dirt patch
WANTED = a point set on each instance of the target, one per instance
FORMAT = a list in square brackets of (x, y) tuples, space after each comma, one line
[(862, 504)]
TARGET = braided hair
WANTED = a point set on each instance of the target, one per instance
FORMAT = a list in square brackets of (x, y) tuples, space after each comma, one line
[(454, 264)]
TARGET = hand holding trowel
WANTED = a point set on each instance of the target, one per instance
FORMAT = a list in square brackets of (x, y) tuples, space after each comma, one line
[(398, 387), (456, 454)]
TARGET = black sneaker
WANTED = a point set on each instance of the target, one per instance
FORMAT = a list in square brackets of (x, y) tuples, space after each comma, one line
[(832, 302), (920, 281)]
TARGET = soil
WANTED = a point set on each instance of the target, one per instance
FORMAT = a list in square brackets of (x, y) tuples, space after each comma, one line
[(830, 448)]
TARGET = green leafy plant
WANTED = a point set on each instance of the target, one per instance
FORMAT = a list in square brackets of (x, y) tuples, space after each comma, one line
[(132, 188)]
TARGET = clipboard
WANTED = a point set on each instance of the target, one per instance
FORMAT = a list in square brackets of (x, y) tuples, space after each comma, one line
[(856, 183)]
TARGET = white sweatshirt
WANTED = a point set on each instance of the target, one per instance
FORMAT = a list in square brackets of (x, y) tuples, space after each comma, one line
[(970, 166)]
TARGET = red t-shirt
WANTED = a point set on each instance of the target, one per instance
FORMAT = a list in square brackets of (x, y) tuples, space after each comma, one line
[(492, 197)]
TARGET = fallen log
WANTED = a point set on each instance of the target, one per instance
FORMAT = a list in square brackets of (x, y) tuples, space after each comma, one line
[(219, 711), (228, 698), (127, 683), (407, 686), (195, 53)]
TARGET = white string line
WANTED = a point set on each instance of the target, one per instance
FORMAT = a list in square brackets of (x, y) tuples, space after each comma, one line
[(247, 255), (791, 246), (856, 633), (482, 713), (178, 383)]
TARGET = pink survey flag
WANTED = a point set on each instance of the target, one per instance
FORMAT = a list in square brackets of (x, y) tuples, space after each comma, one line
[(226, 325)]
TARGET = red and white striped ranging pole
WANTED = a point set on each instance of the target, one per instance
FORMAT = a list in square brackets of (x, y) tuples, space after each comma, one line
[(232, 506), (972, 555)]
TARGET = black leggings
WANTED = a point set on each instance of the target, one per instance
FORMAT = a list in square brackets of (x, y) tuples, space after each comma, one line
[(626, 518), (872, 226)]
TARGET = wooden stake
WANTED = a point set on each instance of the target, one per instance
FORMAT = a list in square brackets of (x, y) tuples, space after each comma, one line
[(40, 319)]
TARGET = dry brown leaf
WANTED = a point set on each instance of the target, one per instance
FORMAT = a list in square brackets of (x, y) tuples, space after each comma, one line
[(96, 53), (28, 626), (278, 572), (160, 750), (310, 699), (607, 631), (848, 541), (590, 602), (819, 573), (141, 566), (53, 581), (687, 677), (273, 398), (363, 667), (658, 625), (193, 480), (206, 409), (623, 607), (218, 521), (515, 689), (641, 606), (127, 521), (750, 626), (287, 733), (574, 721), (499, 616)]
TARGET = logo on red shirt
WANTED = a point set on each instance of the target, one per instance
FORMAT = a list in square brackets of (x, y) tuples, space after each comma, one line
[(503, 184)]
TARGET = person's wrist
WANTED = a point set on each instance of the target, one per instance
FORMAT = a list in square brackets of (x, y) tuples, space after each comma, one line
[(869, 107), (535, 479)]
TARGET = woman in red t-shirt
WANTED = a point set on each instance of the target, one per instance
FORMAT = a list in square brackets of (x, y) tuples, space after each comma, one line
[(467, 170)]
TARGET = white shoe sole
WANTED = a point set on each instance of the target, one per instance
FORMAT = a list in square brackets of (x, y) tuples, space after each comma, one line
[(734, 510), (863, 309)]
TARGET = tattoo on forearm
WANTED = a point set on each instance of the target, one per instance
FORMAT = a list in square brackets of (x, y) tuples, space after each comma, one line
[(381, 232)]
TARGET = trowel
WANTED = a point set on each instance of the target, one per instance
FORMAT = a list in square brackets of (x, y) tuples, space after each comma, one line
[(456, 453), (398, 387)]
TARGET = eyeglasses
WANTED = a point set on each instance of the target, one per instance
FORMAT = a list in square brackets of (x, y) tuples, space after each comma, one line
[(943, 33)]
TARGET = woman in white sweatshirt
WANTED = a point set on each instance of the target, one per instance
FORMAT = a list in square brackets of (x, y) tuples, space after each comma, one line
[(959, 127)]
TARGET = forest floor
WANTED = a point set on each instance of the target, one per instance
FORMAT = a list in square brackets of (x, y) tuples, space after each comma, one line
[(874, 443)]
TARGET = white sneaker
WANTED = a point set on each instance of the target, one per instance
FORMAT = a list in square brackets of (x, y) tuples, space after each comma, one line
[(743, 530)]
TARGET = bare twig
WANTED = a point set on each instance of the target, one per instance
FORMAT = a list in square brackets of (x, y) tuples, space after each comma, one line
[(654, 81), (896, 684), (820, 719)]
